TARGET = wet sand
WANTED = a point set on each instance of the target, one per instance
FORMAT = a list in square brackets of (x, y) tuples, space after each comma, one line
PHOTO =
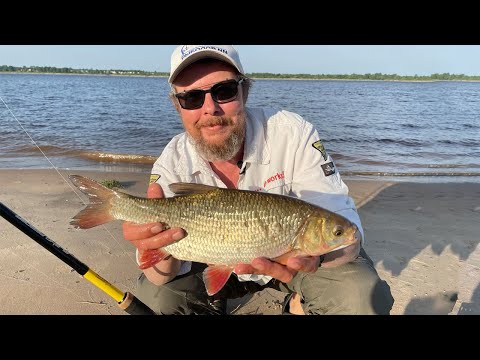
[(423, 239)]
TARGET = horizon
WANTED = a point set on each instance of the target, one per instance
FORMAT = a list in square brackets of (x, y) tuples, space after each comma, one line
[(161, 73)]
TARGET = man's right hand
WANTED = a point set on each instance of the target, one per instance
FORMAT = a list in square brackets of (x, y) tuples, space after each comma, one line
[(151, 235)]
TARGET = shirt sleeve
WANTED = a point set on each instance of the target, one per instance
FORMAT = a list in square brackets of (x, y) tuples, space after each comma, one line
[(317, 180)]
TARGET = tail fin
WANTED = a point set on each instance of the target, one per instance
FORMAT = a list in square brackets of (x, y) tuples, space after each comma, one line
[(98, 211)]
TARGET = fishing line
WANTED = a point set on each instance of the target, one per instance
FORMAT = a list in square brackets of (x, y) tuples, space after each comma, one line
[(65, 180), (71, 187)]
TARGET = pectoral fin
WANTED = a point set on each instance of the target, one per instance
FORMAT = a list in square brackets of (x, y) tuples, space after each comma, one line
[(151, 257), (215, 277)]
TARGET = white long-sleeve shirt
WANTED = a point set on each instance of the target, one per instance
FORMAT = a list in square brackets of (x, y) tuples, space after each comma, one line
[(283, 154)]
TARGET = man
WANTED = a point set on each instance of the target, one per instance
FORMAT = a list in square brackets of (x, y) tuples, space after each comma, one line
[(227, 144)]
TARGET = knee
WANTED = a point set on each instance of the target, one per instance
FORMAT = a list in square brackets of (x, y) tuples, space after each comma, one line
[(366, 294), (161, 299), (352, 289)]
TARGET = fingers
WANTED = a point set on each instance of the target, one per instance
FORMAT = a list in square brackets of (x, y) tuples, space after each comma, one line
[(155, 191), (133, 231), (244, 269), (274, 269), (264, 266), (305, 264), (162, 239)]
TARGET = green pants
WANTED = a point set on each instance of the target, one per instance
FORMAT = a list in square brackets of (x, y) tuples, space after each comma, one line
[(353, 288)]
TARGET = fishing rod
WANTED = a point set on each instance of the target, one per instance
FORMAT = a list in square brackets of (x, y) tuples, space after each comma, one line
[(126, 301)]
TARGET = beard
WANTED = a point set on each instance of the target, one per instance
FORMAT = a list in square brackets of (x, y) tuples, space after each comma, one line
[(228, 148)]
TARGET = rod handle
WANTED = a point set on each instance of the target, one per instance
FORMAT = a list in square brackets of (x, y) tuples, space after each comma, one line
[(133, 306)]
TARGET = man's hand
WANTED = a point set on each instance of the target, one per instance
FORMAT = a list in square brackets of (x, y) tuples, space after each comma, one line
[(294, 264), (151, 235)]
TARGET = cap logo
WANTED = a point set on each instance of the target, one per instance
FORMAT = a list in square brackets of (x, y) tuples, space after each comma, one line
[(185, 51)]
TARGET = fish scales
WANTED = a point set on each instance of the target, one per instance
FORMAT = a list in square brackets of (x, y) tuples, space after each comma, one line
[(223, 227)]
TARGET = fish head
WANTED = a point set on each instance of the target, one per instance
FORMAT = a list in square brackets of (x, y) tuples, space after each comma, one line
[(326, 231)]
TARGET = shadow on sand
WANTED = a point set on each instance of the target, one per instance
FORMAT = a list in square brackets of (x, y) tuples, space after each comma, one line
[(405, 219)]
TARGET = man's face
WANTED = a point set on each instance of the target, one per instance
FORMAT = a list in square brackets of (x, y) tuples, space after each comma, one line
[(216, 130)]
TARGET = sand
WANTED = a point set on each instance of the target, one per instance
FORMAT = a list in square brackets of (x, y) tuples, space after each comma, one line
[(423, 239)]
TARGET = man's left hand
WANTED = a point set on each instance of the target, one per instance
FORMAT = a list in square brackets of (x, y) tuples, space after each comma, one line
[(294, 264)]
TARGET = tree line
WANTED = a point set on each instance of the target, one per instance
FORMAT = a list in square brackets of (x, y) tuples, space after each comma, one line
[(65, 70), (376, 76)]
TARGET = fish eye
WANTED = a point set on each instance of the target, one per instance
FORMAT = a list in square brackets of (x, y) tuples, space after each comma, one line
[(338, 230)]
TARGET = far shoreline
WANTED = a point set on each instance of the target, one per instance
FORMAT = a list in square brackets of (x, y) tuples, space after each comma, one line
[(253, 78)]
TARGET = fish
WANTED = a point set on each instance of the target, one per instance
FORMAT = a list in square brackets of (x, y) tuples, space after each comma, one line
[(224, 227)]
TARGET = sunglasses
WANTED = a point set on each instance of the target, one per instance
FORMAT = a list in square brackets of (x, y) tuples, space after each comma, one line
[(222, 92)]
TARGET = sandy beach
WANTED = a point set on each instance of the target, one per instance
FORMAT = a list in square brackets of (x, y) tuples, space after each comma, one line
[(423, 239)]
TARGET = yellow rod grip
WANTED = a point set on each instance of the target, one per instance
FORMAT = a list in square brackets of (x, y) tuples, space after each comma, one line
[(104, 285)]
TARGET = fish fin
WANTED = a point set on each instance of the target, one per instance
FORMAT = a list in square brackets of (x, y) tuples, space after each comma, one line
[(98, 211), (282, 259), (181, 188), (215, 277), (151, 257)]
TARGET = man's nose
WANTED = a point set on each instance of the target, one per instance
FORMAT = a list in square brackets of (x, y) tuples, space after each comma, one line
[(210, 106)]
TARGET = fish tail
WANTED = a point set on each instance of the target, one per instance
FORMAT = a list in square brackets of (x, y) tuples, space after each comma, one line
[(98, 211)]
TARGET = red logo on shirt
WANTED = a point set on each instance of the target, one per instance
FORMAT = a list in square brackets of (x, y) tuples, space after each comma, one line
[(275, 177)]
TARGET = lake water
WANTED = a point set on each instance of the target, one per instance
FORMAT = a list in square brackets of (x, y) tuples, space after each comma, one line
[(404, 131)]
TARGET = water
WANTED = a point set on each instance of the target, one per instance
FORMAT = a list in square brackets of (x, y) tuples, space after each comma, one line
[(415, 131)]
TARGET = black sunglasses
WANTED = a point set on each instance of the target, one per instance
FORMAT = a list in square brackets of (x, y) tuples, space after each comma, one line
[(222, 92)]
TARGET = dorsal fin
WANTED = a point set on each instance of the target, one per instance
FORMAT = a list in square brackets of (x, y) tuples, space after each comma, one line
[(181, 188)]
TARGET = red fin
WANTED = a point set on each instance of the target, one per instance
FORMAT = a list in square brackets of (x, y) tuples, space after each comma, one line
[(151, 257), (215, 277), (91, 216), (98, 211)]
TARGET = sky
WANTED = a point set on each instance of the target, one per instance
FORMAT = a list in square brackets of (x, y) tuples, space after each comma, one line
[(283, 59)]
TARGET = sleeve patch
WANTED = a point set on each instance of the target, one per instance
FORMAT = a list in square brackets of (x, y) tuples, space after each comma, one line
[(153, 178), (328, 168), (319, 146)]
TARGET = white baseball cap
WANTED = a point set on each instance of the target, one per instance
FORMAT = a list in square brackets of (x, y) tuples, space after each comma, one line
[(185, 55)]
